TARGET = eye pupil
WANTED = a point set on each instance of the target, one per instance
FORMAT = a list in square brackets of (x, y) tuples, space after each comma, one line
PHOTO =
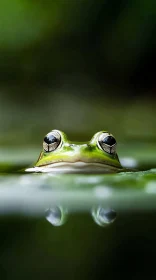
[(109, 140), (49, 139)]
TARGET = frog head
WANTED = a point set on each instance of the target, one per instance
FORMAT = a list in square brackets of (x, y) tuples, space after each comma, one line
[(96, 156)]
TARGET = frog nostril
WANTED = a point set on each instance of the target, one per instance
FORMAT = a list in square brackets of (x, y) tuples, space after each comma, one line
[(73, 145)]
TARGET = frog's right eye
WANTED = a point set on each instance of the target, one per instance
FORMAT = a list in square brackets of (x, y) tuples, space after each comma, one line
[(52, 141)]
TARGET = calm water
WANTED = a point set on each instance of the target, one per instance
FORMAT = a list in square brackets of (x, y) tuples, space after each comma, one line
[(77, 226)]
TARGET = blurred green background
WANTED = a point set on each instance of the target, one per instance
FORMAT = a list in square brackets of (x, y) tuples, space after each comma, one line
[(78, 66), (92, 62)]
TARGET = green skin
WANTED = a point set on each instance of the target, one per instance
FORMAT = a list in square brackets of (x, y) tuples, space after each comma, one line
[(79, 158)]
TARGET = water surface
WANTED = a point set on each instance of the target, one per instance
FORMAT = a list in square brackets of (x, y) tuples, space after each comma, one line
[(77, 226)]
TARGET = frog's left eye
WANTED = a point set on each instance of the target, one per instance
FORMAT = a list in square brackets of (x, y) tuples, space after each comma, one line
[(51, 141), (107, 143)]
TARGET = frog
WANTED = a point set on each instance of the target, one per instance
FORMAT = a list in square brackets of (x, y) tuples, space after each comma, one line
[(60, 155)]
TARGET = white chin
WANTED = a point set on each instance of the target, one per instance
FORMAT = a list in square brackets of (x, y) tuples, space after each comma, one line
[(77, 167)]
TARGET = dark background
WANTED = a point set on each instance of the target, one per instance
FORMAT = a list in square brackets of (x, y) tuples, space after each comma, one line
[(92, 62)]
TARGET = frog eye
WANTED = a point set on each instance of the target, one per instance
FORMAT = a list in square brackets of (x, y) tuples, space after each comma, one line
[(51, 141), (107, 143)]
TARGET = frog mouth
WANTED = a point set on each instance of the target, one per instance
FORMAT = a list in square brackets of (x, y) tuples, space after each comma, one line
[(76, 167)]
